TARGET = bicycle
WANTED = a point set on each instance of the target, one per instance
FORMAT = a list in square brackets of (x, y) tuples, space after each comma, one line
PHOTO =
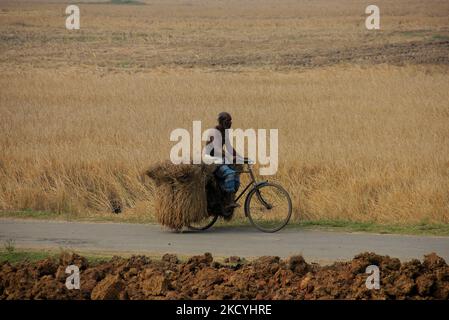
[(270, 211)]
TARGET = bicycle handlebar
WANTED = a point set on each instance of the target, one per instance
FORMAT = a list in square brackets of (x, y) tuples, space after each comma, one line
[(245, 160)]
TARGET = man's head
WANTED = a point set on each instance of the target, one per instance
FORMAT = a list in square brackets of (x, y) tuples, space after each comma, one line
[(225, 120)]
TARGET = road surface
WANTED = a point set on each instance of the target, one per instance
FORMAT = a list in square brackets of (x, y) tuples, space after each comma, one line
[(319, 246)]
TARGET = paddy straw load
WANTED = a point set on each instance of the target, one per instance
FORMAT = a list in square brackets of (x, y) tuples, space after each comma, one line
[(180, 196)]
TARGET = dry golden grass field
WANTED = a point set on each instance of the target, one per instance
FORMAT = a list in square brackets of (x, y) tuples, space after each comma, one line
[(363, 116)]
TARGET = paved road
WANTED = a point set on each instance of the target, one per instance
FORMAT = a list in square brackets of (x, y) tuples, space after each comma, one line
[(317, 246)]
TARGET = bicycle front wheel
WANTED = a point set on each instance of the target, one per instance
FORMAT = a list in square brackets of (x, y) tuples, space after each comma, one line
[(268, 207)]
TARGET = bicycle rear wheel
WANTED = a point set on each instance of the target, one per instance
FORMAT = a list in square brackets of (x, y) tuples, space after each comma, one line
[(204, 224), (268, 207)]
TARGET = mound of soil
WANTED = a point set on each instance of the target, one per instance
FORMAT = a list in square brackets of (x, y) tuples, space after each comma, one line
[(203, 278)]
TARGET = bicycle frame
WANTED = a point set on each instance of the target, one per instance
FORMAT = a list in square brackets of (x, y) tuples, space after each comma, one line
[(252, 183)]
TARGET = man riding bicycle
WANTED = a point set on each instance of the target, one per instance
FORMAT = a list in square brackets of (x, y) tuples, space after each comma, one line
[(226, 174)]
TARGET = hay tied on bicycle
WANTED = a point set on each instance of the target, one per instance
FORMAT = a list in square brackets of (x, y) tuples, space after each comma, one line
[(183, 193)]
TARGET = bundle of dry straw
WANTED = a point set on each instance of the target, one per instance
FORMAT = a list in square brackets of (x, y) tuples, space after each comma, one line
[(180, 198)]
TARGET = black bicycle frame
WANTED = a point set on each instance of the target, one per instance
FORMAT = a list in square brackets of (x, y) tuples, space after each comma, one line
[(252, 183)]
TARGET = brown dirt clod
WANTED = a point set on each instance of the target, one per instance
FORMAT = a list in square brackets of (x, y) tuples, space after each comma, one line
[(200, 277)]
